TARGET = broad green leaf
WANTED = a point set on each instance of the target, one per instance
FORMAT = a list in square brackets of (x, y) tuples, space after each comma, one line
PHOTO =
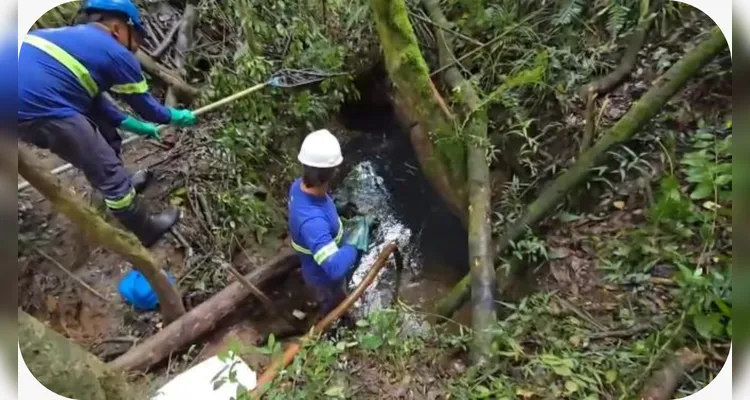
[(703, 191), (362, 323), (708, 326), (571, 386), (371, 342), (482, 392), (611, 376), (723, 307), (562, 370), (722, 180), (335, 391)]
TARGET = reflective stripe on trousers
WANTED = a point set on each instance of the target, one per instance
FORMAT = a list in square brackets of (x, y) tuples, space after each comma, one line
[(326, 251)]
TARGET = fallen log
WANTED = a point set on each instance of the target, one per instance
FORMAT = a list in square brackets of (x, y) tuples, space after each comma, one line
[(641, 112), (665, 381), (64, 367), (201, 319), (481, 259), (264, 381), (184, 91), (98, 231)]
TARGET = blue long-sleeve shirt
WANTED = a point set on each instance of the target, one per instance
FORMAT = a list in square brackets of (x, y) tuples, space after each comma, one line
[(314, 225), (47, 89)]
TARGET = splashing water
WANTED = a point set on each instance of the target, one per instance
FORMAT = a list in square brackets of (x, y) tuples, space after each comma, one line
[(364, 188)]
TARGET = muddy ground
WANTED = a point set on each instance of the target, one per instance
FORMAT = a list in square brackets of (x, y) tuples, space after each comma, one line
[(48, 242)]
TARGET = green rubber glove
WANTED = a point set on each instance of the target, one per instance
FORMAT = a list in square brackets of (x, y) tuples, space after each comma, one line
[(139, 127), (359, 234), (182, 117)]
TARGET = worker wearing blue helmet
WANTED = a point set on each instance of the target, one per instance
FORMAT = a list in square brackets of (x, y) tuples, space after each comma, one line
[(62, 76)]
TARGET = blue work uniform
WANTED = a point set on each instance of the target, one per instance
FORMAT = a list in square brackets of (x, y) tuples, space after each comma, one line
[(62, 76), (316, 232)]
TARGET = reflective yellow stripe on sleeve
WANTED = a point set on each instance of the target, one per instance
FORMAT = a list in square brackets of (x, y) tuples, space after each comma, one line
[(63, 57), (131, 88), (326, 251), (300, 249), (336, 241)]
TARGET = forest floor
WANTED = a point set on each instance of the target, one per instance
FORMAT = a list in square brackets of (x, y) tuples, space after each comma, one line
[(627, 274), (108, 328)]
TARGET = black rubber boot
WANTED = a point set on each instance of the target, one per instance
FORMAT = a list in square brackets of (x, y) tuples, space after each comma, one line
[(149, 228), (140, 179)]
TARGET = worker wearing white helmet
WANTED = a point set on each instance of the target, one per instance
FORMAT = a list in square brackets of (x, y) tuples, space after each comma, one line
[(315, 228)]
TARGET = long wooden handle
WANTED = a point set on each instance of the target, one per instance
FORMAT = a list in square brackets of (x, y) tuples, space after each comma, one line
[(273, 370), (219, 103), (202, 110)]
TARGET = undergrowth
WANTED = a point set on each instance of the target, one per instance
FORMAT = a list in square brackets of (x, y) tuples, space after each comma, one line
[(258, 134), (666, 286)]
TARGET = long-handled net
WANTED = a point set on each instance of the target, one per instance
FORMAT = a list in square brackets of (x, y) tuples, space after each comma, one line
[(283, 78)]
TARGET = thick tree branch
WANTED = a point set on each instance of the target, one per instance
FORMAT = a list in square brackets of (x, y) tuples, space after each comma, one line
[(639, 114), (608, 82), (64, 367), (165, 75), (202, 318), (481, 256)]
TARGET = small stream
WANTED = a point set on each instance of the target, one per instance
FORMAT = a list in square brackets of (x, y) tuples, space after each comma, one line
[(384, 181)]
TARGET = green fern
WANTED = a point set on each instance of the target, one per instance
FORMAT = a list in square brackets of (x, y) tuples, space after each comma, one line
[(571, 10), (617, 16)]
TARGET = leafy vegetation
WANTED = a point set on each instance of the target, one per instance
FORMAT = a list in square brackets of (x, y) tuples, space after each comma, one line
[(665, 285), (257, 133)]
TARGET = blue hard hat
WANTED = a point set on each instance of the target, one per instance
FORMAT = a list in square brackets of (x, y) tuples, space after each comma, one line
[(136, 291), (126, 7)]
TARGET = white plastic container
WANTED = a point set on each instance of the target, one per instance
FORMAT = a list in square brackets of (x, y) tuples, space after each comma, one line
[(199, 382)]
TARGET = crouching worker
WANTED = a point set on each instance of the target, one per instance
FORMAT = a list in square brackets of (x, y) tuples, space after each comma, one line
[(63, 75), (327, 255)]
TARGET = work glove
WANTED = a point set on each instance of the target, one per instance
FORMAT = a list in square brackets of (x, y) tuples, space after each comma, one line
[(139, 127), (182, 117), (358, 235)]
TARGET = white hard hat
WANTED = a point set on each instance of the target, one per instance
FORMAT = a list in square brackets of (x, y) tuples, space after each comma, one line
[(320, 149)]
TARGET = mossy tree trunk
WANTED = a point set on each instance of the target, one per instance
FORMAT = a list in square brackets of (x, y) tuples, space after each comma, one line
[(65, 368), (98, 231), (639, 114), (474, 132), (440, 151)]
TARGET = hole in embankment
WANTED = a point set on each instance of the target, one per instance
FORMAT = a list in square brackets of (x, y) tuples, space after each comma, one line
[(383, 170)]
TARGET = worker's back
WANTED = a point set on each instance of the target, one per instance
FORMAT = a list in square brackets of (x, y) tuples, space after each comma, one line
[(48, 89), (308, 209)]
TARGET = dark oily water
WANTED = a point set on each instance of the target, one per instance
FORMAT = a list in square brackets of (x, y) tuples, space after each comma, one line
[(363, 188)]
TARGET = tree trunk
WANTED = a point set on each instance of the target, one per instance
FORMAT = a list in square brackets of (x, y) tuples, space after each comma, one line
[(641, 112), (65, 368), (417, 93), (483, 283), (201, 319), (184, 41), (98, 231), (182, 89), (185, 35)]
